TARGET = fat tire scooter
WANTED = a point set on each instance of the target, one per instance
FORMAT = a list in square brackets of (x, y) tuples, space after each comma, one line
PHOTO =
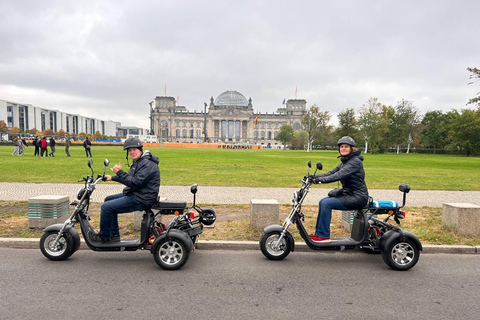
[(170, 245), (400, 249)]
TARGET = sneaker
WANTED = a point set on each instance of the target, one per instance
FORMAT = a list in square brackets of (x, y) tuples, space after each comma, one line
[(97, 238), (316, 238), (115, 237)]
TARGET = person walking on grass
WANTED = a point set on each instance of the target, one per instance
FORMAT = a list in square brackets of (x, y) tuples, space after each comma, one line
[(67, 145), (87, 145), (52, 147), (16, 146)]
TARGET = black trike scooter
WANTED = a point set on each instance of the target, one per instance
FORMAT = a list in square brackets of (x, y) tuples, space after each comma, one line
[(170, 245), (400, 249)]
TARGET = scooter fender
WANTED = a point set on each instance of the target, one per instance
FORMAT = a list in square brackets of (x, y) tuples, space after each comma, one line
[(70, 230), (279, 228), (402, 235), (173, 234)]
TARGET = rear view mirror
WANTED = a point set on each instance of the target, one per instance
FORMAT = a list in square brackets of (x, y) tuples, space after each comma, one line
[(106, 162), (319, 165), (404, 188), (194, 188), (309, 163)]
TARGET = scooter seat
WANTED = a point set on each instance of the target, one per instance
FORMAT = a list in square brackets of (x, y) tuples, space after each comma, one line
[(385, 204)]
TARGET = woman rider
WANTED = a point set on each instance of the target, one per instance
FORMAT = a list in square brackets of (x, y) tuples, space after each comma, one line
[(354, 193)]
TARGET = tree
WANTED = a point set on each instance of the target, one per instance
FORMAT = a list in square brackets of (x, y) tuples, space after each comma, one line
[(3, 126), (61, 132), (82, 135), (475, 76), (33, 131), (48, 132), (369, 123), (15, 130), (465, 131), (97, 135), (315, 122), (403, 122), (435, 130), (300, 138), (347, 124), (285, 134)]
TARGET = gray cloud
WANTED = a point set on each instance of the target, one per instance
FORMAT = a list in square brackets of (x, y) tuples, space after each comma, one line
[(108, 59)]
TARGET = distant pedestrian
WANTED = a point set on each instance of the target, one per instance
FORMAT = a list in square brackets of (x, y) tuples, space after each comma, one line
[(44, 145), (52, 147), (21, 145), (37, 144), (67, 145), (87, 145), (16, 146)]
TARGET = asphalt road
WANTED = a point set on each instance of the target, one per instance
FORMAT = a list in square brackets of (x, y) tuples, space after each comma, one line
[(221, 284)]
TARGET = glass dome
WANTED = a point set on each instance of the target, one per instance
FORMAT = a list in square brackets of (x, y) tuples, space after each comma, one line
[(231, 98)]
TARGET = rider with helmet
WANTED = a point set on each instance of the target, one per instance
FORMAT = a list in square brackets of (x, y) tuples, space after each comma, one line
[(354, 193), (142, 183)]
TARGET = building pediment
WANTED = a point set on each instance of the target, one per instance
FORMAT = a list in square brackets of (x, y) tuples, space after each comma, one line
[(230, 112)]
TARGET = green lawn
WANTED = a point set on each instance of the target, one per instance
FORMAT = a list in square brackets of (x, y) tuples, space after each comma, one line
[(249, 168)]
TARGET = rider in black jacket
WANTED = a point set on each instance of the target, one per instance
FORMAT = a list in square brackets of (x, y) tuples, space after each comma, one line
[(354, 193), (142, 183)]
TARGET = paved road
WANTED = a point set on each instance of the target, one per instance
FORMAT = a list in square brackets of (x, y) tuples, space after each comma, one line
[(236, 285), (234, 195)]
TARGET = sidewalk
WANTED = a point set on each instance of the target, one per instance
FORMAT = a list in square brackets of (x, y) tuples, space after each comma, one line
[(234, 195)]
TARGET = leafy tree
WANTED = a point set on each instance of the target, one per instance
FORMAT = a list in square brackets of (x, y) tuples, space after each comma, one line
[(97, 135), (48, 132), (403, 122), (33, 131), (315, 124), (15, 130), (347, 124), (300, 138), (465, 131), (475, 76), (435, 130), (3, 126), (285, 134), (61, 132), (369, 123), (82, 135)]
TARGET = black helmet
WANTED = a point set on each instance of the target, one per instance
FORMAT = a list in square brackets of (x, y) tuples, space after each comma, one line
[(207, 216), (132, 143), (346, 140)]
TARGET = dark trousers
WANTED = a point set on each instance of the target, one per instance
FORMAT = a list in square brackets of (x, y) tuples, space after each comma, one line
[(37, 151)]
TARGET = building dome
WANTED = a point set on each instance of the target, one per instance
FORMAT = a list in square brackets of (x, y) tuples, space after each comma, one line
[(231, 98)]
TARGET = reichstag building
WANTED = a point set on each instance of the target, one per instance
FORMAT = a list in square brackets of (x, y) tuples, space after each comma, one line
[(230, 118)]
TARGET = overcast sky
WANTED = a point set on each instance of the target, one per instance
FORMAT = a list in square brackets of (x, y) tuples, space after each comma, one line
[(109, 59)]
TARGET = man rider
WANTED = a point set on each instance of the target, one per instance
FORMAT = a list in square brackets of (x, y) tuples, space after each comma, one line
[(142, 186)]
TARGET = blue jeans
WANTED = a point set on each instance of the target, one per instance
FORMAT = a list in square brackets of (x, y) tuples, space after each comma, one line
[(88, 152), (325, 206), (113, 205)]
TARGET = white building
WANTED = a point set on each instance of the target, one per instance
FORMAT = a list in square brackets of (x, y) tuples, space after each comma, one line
[(27, 116)]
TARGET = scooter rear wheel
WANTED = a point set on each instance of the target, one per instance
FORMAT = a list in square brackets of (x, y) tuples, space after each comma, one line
[(171, 254), (401, 255), (271, 248), (63, 250)]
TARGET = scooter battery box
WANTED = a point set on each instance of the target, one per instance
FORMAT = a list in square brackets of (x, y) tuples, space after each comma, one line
[(170, 207), (383, 206)]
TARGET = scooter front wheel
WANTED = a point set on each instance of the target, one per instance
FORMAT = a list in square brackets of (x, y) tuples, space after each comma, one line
[(62, 250), (401, 255), (272, 248), (171, 254)]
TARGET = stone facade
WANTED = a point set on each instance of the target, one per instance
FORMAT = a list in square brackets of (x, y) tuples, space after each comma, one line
[(230, 118)]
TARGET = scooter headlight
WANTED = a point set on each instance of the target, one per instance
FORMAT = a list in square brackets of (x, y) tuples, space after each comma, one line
[(80, 193)]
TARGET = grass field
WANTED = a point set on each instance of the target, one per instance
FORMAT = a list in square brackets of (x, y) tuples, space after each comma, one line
[(248, 168)]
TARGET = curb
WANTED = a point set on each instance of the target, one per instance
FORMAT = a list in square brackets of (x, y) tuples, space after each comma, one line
[(33, 243)]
